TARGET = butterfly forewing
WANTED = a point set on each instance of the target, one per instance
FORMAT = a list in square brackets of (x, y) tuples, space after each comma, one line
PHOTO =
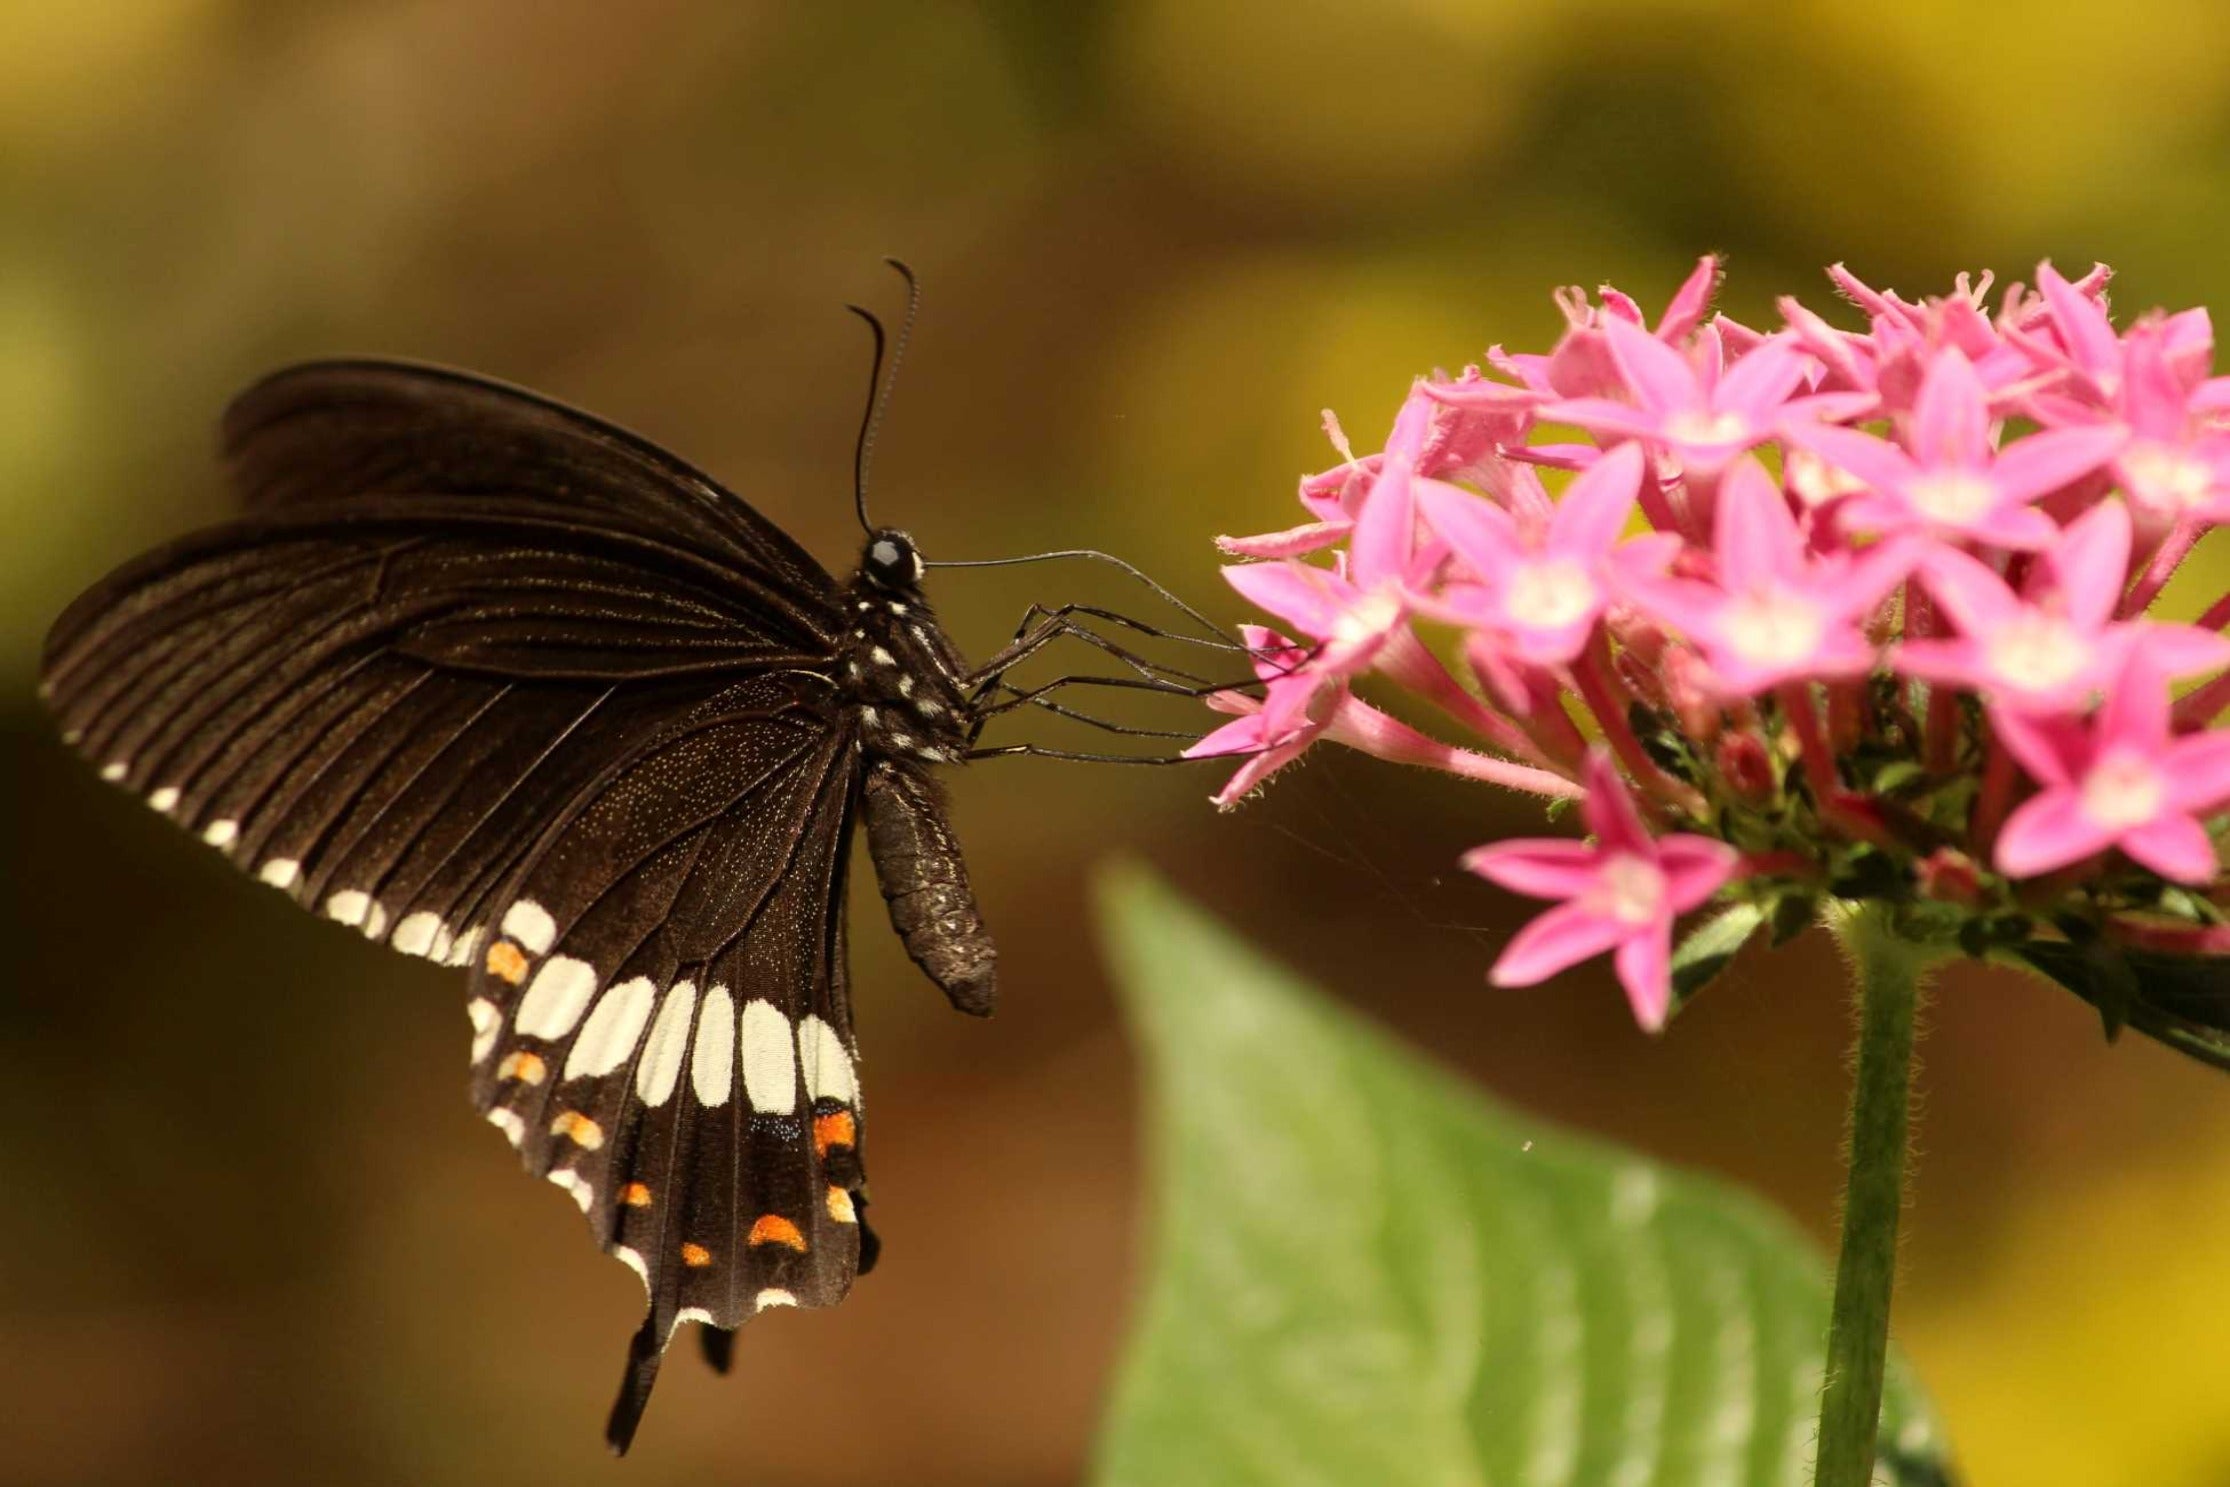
[(368, 428)]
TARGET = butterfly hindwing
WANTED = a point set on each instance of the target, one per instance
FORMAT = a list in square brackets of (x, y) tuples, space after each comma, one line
[(665, 1028)]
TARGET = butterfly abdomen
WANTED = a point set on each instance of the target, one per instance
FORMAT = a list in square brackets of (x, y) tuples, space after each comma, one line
[(918, 865)]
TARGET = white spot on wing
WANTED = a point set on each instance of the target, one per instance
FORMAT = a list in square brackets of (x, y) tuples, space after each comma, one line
[(349, 906), (467, 946), (712, 1067), (773, 1296), (612, 1030), (574, 1183), (280, 872), (507, 1121), (556, 997), (531, 925), (633, 1260), (689, 1314), (417, 933), (165, 799), (221, 833), (669, 1043), (828, 1065), (116, 771), (486, 1023), (881, 657), (770, 1062)]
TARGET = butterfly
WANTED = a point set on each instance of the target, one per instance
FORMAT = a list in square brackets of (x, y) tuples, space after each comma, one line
[(501, 685)]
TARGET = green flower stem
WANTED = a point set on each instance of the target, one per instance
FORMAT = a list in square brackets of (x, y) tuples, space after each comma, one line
[(1889, 970)]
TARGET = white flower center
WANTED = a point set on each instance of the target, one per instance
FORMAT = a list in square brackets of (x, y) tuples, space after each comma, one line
[(1629, 889), (2038, 653), (2162, 475), (1772, 627), (1701, 426), (2123, 790), (1367, 618), (1550, 594), (1956, 498)]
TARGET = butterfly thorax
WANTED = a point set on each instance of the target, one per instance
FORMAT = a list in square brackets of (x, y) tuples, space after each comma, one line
[(900, 672)]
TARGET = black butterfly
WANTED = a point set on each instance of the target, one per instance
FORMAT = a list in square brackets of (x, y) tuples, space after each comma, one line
[(507, 687)]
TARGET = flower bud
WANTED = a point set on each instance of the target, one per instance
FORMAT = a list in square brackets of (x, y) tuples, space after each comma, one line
[(1745, 764), (1949, 876)]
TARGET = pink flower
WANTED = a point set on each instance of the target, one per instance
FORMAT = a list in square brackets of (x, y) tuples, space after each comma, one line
[(1331, 497), (1299, 708), (1269, 739), (1356, 608), (2120, 781), (2083, 348), (1622, 893), (1902, 337), (2057, 652), (1779, 612), (1543, 592), (1703, 417), (1950, 481), (1466, 434), (1581, 365), (2176, 467)]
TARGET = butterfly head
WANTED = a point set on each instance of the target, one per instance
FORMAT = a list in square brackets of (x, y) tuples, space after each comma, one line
[(891, 561)]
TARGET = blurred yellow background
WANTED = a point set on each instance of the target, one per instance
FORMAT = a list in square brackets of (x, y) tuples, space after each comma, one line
[(251, 1230)]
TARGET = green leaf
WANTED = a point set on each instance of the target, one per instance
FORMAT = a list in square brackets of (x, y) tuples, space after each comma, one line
[(1710, 948), (1363, 1272)]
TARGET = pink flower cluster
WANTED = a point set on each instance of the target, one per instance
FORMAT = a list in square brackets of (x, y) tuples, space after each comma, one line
[(1803, 611)]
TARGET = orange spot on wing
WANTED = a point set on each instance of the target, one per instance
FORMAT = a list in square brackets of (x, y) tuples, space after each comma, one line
[(506, 962), (579, 1129), (695, 1256), (773, 1228), (834, 1129), (635, 1195), (528, 1068), (840, 1207)]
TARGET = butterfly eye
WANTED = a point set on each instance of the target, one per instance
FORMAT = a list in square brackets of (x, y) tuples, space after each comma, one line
[(891, 559)]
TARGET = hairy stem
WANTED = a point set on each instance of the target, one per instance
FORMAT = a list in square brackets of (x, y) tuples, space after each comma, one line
[(1889, 970)]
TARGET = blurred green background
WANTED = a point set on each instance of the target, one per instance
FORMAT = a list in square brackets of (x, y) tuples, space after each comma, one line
[(252, 1232)]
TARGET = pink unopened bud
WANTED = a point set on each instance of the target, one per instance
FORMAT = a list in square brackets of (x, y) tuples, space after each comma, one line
[(1747, 767), (1949, 875), (1689, 691)]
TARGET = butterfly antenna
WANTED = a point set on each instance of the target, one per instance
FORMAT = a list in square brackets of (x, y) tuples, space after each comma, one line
[(879, 386)]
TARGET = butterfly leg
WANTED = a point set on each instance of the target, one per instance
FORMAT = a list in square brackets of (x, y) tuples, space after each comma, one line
[(1041, 627)]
